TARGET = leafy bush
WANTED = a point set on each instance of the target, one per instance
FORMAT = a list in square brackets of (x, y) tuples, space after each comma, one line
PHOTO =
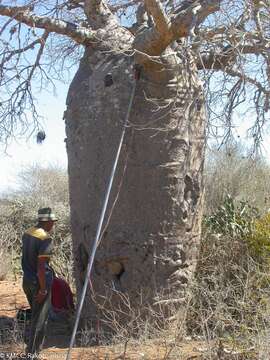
[(231, 219), (259, 238), (242, 221)]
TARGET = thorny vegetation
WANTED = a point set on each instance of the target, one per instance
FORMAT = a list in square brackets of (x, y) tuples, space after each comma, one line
[(230, 294), (18, 211), (40, 41), (229, 297), (232, 171)]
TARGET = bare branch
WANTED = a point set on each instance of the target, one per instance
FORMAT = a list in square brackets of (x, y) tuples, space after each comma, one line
[(11, 53), (5, 25), (231, 49), (153, 43), (40, 52), (249, 80), (74, 4), (79, 34), (116, 7), (220, 60), (161, 20), (216, 61), (16, 103), (99, 14), (182, 22)]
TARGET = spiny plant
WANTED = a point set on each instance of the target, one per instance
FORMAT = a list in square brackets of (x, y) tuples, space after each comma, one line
[(232, 219)]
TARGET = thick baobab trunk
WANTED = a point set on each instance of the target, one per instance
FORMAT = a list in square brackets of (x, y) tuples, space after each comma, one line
[(149, 248)]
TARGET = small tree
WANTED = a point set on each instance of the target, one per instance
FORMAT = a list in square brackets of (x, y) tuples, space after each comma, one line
[(233, 171)]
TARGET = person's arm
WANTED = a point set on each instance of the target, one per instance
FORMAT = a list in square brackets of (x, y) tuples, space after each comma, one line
[(42, 293), (45, 249)]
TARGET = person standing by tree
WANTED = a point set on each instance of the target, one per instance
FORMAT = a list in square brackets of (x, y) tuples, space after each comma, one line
[(38, 276)]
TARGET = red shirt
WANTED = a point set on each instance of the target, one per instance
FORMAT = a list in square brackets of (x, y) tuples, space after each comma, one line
[(62, 297)]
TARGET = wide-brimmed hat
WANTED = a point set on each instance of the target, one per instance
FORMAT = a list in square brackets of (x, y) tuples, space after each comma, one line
[(46, 214)]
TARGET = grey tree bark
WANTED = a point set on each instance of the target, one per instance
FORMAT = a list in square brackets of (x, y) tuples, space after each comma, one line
[(149, 248)]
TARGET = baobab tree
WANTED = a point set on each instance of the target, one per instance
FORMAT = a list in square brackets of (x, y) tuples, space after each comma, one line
[(196, 63)]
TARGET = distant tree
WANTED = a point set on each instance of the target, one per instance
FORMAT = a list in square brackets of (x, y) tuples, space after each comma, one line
[(38, 187), (232, 171), (192, 56), (45, 185)]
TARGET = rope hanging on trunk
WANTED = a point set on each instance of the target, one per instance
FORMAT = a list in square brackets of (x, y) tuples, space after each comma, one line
[(102, 216)]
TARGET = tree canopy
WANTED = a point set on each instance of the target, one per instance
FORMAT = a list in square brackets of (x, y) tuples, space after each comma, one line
[(230, 40)]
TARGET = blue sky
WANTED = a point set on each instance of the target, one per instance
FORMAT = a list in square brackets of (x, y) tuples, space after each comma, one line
[(27, 152)]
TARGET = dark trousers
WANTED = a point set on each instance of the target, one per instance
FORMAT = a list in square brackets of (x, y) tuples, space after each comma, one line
[(39, 316)]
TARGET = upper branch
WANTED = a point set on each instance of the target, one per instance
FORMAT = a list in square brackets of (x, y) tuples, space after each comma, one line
[(227, 56), (99, 14), (155, 8), (153, 41), (74, 4), (10, 53), (79, 34)]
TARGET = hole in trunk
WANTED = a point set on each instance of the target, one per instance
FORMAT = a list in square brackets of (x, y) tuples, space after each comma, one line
[(108, 80), (83, 257), (82, 260), (191, 191), (116, 268)]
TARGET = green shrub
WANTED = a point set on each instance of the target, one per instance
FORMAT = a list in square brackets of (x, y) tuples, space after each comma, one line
[(242, 222), (259, 238), (232, 219)]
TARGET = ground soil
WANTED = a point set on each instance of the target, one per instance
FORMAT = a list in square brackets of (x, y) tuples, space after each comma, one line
[(12, 298)]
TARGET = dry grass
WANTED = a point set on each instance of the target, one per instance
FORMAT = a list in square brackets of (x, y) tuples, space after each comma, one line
[(226, 312), (5, 265), (227, 309), (230, 296)]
